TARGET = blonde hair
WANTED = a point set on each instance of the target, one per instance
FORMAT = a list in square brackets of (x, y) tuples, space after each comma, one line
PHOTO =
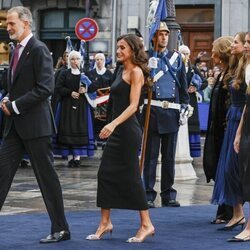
[(240, 72), (234, 59), (222, 47)]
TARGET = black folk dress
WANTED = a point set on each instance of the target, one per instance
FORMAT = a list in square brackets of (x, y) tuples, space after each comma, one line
[(219, 104), (73, 125), (119, 181)]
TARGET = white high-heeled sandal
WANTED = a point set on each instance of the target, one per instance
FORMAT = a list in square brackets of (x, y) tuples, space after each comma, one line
[(95, 237), (139, 240)]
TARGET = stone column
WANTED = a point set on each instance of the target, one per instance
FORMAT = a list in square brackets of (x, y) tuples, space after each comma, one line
[(172, 25), (183, 161)]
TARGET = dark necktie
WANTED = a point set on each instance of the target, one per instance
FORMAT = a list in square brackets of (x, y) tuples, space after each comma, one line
[(15, 58)]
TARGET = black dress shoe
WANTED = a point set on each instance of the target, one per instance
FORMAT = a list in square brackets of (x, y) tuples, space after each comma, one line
[(71, 164), (218, 221), (24, 164), (151, 204), (170, 203), (229, 228), (56, 237), (77, 163), (234, 239)]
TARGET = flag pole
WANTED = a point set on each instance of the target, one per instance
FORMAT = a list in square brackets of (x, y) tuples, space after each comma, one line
[(157, 13), (147, 115), (145, 130)]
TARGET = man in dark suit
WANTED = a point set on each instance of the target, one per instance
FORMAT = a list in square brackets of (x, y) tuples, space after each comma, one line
[(168, 106), (29, 120)]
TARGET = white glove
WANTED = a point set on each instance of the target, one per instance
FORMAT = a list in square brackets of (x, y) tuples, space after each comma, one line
[(190, 111), (153, 62), (183, 117)]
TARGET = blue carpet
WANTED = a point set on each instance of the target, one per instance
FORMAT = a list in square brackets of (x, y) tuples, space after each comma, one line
[(176, 228)]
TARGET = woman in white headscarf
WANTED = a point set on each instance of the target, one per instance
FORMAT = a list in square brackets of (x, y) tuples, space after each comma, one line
[(195, 83), (100, 76), (101, 79), (75, 129)]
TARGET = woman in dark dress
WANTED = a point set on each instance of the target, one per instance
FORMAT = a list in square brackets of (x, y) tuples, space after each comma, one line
[(196, 82), (61, 65), (219, 105), (119, 181), (227, 188), (242, 146), (75, 135)]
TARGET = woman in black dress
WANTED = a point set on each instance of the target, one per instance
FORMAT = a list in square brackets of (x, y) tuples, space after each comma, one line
[(219, 104), (242, 145), (119, 180)]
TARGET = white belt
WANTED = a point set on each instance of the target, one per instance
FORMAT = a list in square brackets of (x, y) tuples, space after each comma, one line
[(164, 104)]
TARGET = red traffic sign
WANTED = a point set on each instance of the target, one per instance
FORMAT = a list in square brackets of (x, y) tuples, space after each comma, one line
[(86, 29)]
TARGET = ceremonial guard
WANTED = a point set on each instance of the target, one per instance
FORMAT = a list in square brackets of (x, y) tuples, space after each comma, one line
[(169, 107)]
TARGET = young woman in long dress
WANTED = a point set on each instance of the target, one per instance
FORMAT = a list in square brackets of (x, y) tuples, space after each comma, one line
[(242, 145)]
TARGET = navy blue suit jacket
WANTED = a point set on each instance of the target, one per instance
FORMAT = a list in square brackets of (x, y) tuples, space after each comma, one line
[(31, 87)]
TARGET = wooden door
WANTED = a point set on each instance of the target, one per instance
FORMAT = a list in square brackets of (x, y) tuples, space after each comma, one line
[(199, 39)]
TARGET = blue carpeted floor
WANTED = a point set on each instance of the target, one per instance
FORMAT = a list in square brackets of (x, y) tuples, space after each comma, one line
[(176, 228)]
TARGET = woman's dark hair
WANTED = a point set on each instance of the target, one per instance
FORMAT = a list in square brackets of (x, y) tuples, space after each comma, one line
[(139, 56)]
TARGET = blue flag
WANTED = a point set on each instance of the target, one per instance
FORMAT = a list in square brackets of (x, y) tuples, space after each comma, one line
[(69, 46), (89, 96), (82, 51), (160, 15), (179, 40), (82, 48)]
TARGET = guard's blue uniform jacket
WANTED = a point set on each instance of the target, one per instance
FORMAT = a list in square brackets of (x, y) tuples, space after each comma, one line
[(172, 87)]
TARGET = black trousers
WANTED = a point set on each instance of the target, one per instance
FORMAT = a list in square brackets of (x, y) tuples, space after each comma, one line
[(167, 143), (40, 153)]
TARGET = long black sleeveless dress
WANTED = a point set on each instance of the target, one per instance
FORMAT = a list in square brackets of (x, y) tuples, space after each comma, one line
[(119, 180), (244, 156)]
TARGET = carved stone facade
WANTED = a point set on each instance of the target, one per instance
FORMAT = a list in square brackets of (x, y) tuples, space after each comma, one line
[(235, 16)]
